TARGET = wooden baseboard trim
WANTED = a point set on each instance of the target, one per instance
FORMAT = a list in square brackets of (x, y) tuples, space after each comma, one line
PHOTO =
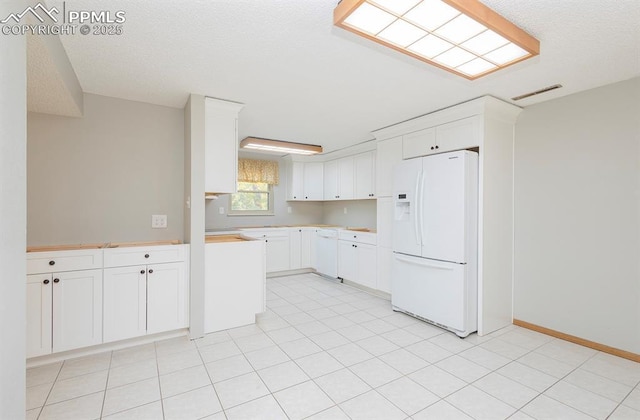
[(577, 340)]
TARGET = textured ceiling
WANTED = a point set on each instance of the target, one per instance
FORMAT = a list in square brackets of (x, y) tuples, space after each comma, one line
[(302, 79)]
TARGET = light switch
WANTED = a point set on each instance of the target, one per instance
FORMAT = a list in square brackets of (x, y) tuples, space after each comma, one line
[(289, 209), (221, 210), (345, 210), (159, 221)]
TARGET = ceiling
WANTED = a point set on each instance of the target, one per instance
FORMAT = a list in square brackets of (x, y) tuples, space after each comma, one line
[(302, 79)]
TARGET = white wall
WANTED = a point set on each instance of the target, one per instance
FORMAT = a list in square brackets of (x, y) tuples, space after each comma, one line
[(360, 213), (99, 178), (577, 215), (13, 207)]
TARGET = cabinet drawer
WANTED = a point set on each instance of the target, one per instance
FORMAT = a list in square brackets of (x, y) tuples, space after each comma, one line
[(122, 257), (48, 262), (355, 236)]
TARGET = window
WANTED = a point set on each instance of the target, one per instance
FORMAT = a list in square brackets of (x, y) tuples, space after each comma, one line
[(252, 199)]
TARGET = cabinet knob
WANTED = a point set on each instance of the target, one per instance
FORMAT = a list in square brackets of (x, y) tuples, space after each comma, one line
[(141, 271), (266, 240), (356, 246), (52, 262), (306, 198), (46, 281), (295, 197), (56, 280), (437, 147), (150, 271), (146, 255), (431, 147)]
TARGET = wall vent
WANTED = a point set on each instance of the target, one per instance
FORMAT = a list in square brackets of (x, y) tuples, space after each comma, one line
[(537, 92)]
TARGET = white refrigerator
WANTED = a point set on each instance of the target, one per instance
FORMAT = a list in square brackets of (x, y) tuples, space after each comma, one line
[(435, 240)]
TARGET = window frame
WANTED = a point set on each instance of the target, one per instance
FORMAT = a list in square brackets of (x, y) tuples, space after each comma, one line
[(269, 212)]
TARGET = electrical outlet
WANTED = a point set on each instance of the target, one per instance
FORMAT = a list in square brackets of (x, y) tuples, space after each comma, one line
[(221, 210), (345, 210), (289, 210), (159, 221)]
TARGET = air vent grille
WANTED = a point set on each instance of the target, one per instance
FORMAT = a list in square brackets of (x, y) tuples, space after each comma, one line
[(537, 92)]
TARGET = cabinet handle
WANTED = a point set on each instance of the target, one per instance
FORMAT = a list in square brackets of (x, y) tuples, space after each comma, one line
[(150, 271), (356, 246), (46, 281), (141, 271), (52, 262), (56, 280), (146, 255)]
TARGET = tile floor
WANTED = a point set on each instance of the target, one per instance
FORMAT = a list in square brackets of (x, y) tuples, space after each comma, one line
[(324, 350)]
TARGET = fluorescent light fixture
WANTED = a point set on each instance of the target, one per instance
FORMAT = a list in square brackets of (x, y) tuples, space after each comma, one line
[(464, 37), (277, 146)]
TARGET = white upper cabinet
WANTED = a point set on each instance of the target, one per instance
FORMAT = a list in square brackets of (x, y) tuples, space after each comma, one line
[(345, 178), (457, 135), (365, 175), (295, 181), (420, 143), (221, 146), (331, 180), (389, 152), (305, 181)]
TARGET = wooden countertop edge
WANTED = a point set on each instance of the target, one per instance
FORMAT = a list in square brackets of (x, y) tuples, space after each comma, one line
[(76, 247)]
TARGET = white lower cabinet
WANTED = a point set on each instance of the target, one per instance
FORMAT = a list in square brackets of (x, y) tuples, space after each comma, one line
[(357, 254), (125, 302), (302, 246), (166, 297), (278, 247), (385, 257)]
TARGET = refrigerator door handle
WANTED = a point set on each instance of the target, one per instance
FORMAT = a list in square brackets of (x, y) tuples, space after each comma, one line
[(416, 210), (423, 262), (421, 215)]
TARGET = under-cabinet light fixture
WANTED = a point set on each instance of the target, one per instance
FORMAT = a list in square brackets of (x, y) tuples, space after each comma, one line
[(464, 37), (278, 146)]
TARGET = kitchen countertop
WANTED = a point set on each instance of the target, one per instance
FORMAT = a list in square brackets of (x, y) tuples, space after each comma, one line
[(214, 239), (236, 230), (75, 247)]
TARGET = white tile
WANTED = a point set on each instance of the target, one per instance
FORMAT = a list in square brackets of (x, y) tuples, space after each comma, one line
[(625, 413), (174, 345), (451, 342), (400, 320), (424, 330), (377, 345), (333, 413), (241, 389), (527, 376), (266, 357), (505, 389), (245, 331), (298, 318), (566, 352), (78, 386), (378, 326), (437, 381), (282, 376), (633, 400), (43, 374), (485, 358), (546, 408), (441, 410), (463, 368), (270, 324), (479, 405), (342, 385), (519, 415), (213, 338), (85, 365), (343, 308), (322, 313), (401, 337), (254, 342), (526, 339), (132, 355), (546, 364), (219, 351), (380, 312), (284, 335), (607, 388), (581, 399), (263, 408), (375, 372), (329, 340), (224, 369), (37, 395), (360, 317), (134, 372), (350, 354), (429, 351), (152, 411), (300, 348), (34, 413), (312, 328), (504, 349), (194, 404), (615, 368), (83, 408), (338, 321), (130, 396), (371, 406), (183, 380), (286, 310), (319, 364), (356, 332), (303, 400), (403, 361), (177, 361), (408, 395)]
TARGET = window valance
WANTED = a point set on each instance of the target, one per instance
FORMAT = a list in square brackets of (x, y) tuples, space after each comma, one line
[(253, 170)]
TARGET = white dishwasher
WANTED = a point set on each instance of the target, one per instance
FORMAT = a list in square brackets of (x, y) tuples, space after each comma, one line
[(327, 252)]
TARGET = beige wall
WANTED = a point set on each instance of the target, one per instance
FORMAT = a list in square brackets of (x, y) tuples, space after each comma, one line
[(360, 213), (577, 215), (99, 178)]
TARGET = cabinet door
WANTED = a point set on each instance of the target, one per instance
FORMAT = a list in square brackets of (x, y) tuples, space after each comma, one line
[(420, 143), (331, 180), (166, 296), (366, 268), (278, 258), (39, 289), (364, 175), (125, 302), (221, 146), (347, 260), (77, 309), (313, 181), (389, 152), (295, 247), (458, 135), (383, 264), (296, 181), (308, 248), (345, 178)]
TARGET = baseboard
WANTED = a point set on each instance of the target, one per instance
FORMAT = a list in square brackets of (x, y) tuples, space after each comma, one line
[(375, 292), (581, 341), (290, 272)]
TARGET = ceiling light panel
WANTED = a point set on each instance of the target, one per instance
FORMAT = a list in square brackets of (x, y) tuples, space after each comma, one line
[(462, 36)]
